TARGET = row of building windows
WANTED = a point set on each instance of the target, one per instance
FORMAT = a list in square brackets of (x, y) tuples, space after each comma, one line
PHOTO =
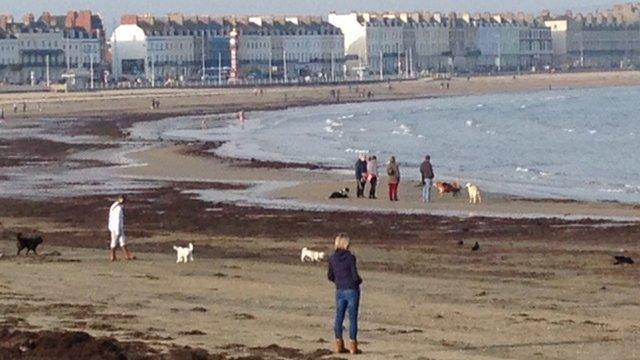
[(169, 46), (171, 58)]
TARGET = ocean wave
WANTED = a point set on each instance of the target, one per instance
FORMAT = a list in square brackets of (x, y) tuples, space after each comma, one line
[(356, 151)]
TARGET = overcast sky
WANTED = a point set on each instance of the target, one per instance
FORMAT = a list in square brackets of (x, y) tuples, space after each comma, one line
[(112, 9)]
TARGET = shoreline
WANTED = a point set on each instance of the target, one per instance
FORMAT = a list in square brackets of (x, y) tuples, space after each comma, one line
[(308, 190)]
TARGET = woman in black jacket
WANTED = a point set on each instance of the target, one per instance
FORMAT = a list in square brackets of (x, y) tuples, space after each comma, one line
[(344, 273)]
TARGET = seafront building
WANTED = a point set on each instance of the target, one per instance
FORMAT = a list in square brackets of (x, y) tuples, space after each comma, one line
[(594, 41), (51, 48), (180, 48), (412, 43)]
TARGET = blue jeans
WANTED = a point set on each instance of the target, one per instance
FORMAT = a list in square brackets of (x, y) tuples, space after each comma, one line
[(426, 190), (347, 300)]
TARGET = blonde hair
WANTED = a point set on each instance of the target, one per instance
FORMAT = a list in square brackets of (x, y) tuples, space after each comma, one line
[(342, 242)]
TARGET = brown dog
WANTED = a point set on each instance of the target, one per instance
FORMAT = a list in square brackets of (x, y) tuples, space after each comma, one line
[(446, 188)]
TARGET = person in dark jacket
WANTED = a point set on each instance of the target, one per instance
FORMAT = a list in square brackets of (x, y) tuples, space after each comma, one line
[(361, 175), (344, 273), (426, 173)]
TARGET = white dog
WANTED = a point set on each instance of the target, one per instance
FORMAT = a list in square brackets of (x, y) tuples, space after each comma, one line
[(313, 256), (474, 194), (184, 253)]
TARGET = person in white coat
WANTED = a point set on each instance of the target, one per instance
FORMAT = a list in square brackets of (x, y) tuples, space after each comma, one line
[(116, 228)]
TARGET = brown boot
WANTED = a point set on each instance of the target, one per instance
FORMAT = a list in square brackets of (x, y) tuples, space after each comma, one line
[(353, 347), (340, 347)]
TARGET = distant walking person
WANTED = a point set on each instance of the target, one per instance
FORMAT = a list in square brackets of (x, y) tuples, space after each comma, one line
[(344, 273), (116, 228), (24, 106), (372, 175), (361, 174), (393, 171), (426, 174), (15, 107), (1, 113)]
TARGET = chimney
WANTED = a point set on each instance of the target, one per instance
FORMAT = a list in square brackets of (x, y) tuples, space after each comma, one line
[(84, 21), (70, 20), (129, 19), (5, 21), (46, 18), (176, 18), (28, 19)]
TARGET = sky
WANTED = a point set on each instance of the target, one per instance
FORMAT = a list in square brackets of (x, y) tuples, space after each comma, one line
[(112, 9)]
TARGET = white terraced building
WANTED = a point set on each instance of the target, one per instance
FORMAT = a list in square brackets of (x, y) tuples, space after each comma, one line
[(410, 43), (152, 49), (312, 47), (594, 41), (172, 48), (52, 44), (393, 44)]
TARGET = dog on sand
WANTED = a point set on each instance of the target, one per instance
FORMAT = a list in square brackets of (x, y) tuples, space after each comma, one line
[(313, 256), (446, 188), (28, 242), (184, 254), (342, 194), (475, 197)]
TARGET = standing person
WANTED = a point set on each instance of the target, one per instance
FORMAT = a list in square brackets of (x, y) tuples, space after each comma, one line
[(361, 174), (344, 273), (24, 106), (1, 113), (116, 228), (426, 173), (15, 107), (372, 175), (393, 170)]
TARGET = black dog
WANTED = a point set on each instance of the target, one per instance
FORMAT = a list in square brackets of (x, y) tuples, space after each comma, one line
[(30, 243), (622, 260), (342, 194)]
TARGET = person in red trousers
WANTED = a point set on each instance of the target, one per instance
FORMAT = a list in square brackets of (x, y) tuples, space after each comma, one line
[(393, 171)]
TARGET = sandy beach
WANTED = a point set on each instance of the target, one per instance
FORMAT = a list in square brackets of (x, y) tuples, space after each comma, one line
[(194, 101), (543, 284)]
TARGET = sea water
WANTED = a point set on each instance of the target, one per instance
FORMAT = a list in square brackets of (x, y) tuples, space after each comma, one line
[(577, 144)]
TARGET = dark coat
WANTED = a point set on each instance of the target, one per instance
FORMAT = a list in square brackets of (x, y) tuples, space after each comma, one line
[(361, 169), (343, 271), (426, 170)]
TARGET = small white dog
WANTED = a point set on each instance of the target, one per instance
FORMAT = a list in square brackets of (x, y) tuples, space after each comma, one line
[(474, 194), (313, 256), (184, 253)]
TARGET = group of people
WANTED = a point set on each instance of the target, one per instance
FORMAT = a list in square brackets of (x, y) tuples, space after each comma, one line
[(366, 169), (155, 104)]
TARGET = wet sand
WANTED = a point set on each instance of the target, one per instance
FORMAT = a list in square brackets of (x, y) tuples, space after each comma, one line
[(543, 288), (311, 188)]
